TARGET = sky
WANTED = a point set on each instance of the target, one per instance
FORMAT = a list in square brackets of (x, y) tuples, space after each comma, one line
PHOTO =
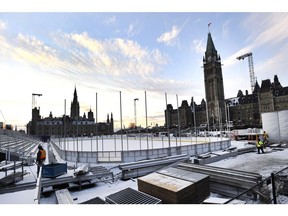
[(112, 51)]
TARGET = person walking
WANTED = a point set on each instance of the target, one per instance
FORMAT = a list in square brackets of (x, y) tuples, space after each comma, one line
[(265, 139), (41, 157), (259, 145)]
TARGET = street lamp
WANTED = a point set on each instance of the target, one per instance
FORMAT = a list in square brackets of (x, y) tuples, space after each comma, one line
[(135, 116), (228, 117), (213, 121)]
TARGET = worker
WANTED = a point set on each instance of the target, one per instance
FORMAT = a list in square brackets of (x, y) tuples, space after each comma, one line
[(259, 145), (265, 139), (41, 157)]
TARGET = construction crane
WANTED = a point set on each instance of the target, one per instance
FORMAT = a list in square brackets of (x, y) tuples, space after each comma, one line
[(33, 99), (251, 68)]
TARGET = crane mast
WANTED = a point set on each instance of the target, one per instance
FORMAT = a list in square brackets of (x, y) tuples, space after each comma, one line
[(251, 68), (34, 100)]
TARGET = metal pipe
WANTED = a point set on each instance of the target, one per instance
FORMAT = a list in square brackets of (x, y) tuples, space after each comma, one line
[(96, 116), (179, 123), (121, 126), (168, 125), (146, 120), (135, 115)]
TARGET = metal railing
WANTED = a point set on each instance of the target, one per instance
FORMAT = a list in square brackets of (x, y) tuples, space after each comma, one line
[(272, 190), (38, 188)]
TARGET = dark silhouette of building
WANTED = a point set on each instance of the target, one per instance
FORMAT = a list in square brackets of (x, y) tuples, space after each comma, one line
[(245, 110), (73, 125), (75, 106), (242, 111)]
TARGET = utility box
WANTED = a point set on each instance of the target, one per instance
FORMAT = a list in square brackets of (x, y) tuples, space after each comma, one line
[(54, 170)]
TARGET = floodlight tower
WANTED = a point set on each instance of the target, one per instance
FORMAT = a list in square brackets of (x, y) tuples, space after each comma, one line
[(135, 115), (251, 68)]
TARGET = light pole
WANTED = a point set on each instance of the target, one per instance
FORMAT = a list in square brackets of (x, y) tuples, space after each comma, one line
[(228, 118), (135, 116), (213, 121)]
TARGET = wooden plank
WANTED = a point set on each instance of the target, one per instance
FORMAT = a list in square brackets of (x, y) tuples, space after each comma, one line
[(64, 197)]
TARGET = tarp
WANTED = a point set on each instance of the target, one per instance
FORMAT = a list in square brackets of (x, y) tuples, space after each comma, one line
[(283, 123), (276, 125)]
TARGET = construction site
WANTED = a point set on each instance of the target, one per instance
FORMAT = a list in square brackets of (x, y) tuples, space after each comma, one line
[(178, 178), (218, 165)]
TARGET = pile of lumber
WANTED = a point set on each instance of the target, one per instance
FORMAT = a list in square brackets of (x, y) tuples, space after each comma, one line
[(227, 182), (176, 186), (144, 167)]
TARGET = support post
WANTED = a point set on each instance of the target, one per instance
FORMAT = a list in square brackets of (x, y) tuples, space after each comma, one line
[(273, 188)]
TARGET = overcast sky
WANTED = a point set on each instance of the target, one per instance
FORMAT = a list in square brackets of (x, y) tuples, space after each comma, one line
[(103, 52)]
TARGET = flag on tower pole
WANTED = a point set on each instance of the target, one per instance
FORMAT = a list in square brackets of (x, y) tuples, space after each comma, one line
[(209, 24)]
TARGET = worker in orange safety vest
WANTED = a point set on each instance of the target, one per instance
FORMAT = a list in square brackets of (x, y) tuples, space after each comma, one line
[(41, 157)]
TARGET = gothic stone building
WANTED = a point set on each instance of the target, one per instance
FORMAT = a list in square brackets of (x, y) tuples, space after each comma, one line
[(243, 110), (73, 125)]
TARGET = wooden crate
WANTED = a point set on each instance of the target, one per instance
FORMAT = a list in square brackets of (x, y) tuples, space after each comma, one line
[(176, 186)]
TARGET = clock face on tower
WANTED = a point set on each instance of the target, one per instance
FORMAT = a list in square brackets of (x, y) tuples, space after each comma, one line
[(209, 58)]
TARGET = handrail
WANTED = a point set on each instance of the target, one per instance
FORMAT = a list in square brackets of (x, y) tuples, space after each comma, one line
[(38, 188), (246, 191)]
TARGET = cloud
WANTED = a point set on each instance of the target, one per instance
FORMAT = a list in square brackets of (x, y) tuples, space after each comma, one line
[(169, 38), (110, 20), (225, 28), (133, 30), (232, 59), (3, 25), (274, 64), (111, 63), (199, 46), (117, 56), (271, 28)]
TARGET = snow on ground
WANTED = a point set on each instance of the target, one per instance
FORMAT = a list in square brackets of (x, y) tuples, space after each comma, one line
[(263, 164)]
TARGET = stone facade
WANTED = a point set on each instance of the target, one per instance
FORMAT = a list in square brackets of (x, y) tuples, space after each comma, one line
[(243, 110), (270, 97)]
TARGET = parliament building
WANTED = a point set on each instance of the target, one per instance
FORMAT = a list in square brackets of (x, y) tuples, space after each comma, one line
[(69, 126), (241, 111)]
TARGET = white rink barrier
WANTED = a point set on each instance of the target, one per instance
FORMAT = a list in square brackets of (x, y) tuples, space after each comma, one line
[(276, 125), (89, 153)]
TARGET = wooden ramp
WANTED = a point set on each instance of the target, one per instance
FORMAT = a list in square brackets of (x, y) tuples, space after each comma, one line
[(64, 197)]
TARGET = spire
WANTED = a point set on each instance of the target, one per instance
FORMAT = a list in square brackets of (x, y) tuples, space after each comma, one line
[(211, 53), (75, 105), (240, 93), (276, 83), (210, 45), (75, 95), (256, 88)]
